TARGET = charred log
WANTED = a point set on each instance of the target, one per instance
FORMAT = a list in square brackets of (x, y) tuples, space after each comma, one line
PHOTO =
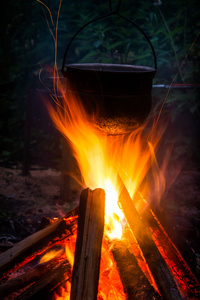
[(135, 283), (24, 280), (158, 267), (186, 279), (35, 241), (41, 289)]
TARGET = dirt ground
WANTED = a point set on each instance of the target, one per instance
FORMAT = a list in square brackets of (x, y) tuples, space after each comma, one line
[(25, 200)]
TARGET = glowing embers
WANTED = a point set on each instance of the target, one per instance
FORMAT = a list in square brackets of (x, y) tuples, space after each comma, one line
[(116, 261)]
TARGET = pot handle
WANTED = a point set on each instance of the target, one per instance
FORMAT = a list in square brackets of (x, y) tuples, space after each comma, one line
[(115, 12)]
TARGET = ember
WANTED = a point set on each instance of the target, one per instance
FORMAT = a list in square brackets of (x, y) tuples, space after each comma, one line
[(122, 263)]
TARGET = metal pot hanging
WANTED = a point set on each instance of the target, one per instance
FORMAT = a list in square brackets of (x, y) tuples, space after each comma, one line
[(119, 95)]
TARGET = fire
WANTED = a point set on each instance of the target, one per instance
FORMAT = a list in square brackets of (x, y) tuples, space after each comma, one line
[(102, 157), (50, 255), (113, 214), (69, 255)]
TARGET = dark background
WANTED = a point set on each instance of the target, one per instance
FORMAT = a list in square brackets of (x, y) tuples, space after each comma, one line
[(27, 46)]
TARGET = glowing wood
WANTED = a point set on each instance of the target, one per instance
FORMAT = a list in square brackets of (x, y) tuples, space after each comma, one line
[(85, 276), (162, 276), (135, 283), (42, 287), (185, 278), (33, 242), (22, 281)]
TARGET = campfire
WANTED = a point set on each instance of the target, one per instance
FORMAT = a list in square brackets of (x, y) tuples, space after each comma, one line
[(141, 264), (112, 246)]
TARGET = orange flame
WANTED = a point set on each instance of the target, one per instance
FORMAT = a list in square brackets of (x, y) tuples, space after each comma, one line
[(101, 157), (50, 255), (69, 255)]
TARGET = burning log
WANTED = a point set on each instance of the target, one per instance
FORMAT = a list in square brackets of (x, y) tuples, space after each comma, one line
[(162, 276), (185, 278), (85, 274), (36, 241), (24, 280), (136, 284), (42, 287), (33, 241)]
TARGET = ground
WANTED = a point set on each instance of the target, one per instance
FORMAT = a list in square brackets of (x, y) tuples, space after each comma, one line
[(25, 200)]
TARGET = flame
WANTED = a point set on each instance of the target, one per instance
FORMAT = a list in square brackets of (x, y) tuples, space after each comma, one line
[(64, 292), (50, 255), (101, 157), (69, 255)]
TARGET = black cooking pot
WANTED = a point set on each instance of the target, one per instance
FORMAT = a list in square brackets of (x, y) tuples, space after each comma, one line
[(118, 95)]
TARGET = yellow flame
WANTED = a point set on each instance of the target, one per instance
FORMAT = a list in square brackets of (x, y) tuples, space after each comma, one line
[(101, 157), (50, 255), (69, 255)]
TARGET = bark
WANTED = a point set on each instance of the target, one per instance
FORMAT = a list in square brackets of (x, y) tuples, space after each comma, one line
[(135, 283), (185, 278), (34, 242), (29, 277), (158, 267), (44, 287), (85, 276)]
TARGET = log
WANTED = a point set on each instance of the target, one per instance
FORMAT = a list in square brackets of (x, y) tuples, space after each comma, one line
[(178, 239), (25, 279), (158, 267), (185, 278), (43, 287), (85, 275), (135, 283), (32, 243)]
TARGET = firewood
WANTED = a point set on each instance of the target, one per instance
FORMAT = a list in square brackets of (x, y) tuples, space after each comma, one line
[(135, 283), (32, 243), (23, 280), (43, 287), (186, 279), (158, 267), (179, 240), (85, 274)]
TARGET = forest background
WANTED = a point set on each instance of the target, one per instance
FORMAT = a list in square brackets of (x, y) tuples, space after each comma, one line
[(27, 135)]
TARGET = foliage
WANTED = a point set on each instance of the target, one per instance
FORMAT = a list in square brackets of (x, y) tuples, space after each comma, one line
[(27, 45)]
